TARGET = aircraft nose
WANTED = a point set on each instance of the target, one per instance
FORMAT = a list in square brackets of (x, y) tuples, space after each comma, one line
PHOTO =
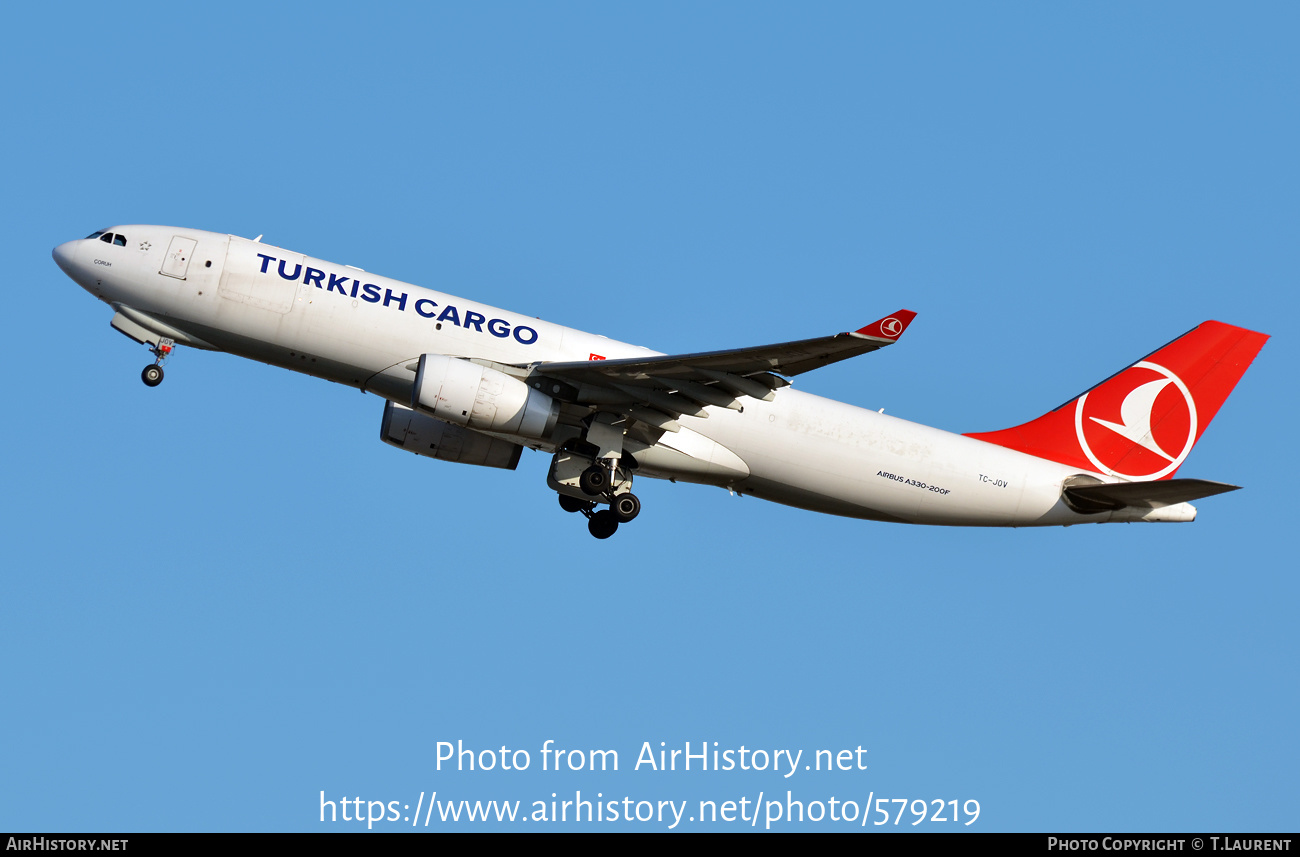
[(65, 255)]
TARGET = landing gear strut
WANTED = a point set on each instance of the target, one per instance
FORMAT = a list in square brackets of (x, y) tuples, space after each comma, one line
[(153, 373)]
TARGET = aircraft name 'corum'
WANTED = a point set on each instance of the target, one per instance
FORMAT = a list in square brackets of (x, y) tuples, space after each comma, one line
[(349, 286)]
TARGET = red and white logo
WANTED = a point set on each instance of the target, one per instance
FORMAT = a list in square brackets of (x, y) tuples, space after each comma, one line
[(1143, 420), (891, 327)]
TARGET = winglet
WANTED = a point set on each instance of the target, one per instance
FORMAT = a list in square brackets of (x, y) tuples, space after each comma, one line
[(890, 327)]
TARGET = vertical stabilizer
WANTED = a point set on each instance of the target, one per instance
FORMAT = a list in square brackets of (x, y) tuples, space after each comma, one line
[(1142, 422)]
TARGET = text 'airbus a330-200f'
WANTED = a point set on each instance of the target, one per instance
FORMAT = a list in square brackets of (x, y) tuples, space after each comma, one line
[(470, 383)]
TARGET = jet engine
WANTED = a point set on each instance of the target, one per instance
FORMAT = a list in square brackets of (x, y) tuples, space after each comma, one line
[(480, 398), (433, 438)]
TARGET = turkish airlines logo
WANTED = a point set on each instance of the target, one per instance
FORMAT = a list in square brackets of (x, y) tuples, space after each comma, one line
[(1143, 419), (892, 327)]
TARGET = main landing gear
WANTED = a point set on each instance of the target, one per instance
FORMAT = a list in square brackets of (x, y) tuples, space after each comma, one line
[(153, 373), (599, 481), (595, 482), (603, 523)]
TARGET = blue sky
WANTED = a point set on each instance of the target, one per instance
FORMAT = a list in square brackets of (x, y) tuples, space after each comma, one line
[(224, 596)]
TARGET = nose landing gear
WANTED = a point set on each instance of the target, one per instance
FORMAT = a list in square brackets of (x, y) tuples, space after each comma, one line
[(152, 375)]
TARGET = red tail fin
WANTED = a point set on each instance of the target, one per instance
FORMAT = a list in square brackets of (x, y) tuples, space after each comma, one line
[(1142, 422)]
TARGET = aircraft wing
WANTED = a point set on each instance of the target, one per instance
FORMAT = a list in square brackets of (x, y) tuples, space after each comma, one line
[(684, 383)]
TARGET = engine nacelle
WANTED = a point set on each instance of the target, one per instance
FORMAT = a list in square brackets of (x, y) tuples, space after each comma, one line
[(480, 398), (433, 438)]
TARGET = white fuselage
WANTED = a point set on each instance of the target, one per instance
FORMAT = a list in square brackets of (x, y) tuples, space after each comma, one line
[(367, 331)]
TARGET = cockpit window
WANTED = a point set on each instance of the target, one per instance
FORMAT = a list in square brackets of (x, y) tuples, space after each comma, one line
[(119, 240), (110, 238), (106, 237), (94, 234)]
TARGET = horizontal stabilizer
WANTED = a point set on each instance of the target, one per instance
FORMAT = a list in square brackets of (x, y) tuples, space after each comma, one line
[(1143, 495)]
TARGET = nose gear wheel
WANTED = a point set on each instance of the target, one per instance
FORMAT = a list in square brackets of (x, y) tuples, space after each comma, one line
[(152, 375)]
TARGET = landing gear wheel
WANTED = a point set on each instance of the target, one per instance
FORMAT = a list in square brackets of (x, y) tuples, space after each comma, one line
[(152, 375), (625, 507), (602, 524), (594, 480), (573, 504)]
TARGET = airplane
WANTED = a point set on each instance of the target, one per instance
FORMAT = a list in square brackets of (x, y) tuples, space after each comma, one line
[(466, 382)]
